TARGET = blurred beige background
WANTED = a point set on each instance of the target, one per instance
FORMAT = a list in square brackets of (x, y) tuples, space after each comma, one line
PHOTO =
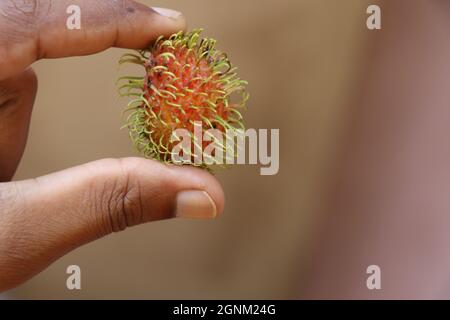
[(302, 60)]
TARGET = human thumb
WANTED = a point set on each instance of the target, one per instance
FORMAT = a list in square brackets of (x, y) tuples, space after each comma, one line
[(44, 218)]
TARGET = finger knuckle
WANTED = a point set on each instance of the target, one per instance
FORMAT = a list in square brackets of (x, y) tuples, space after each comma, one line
[(18, 92), (21, 13), (120, 8), (121, 199), (19, 21)]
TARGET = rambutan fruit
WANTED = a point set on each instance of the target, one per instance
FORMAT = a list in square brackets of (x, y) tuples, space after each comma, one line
[(187, 82)]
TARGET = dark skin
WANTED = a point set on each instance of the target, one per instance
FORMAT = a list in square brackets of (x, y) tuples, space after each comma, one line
[(44, 218)]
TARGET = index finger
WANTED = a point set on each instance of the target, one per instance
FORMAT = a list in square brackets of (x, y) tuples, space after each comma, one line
[(37, 29)]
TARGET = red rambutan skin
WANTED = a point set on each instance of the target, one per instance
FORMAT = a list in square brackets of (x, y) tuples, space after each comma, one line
[(189, 93), (185, 82)]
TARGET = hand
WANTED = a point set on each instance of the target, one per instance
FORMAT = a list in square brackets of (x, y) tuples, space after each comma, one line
[(44, 218)]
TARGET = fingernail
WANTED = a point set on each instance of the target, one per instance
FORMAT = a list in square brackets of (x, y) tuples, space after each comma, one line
[(195, 205), (169, 13)]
